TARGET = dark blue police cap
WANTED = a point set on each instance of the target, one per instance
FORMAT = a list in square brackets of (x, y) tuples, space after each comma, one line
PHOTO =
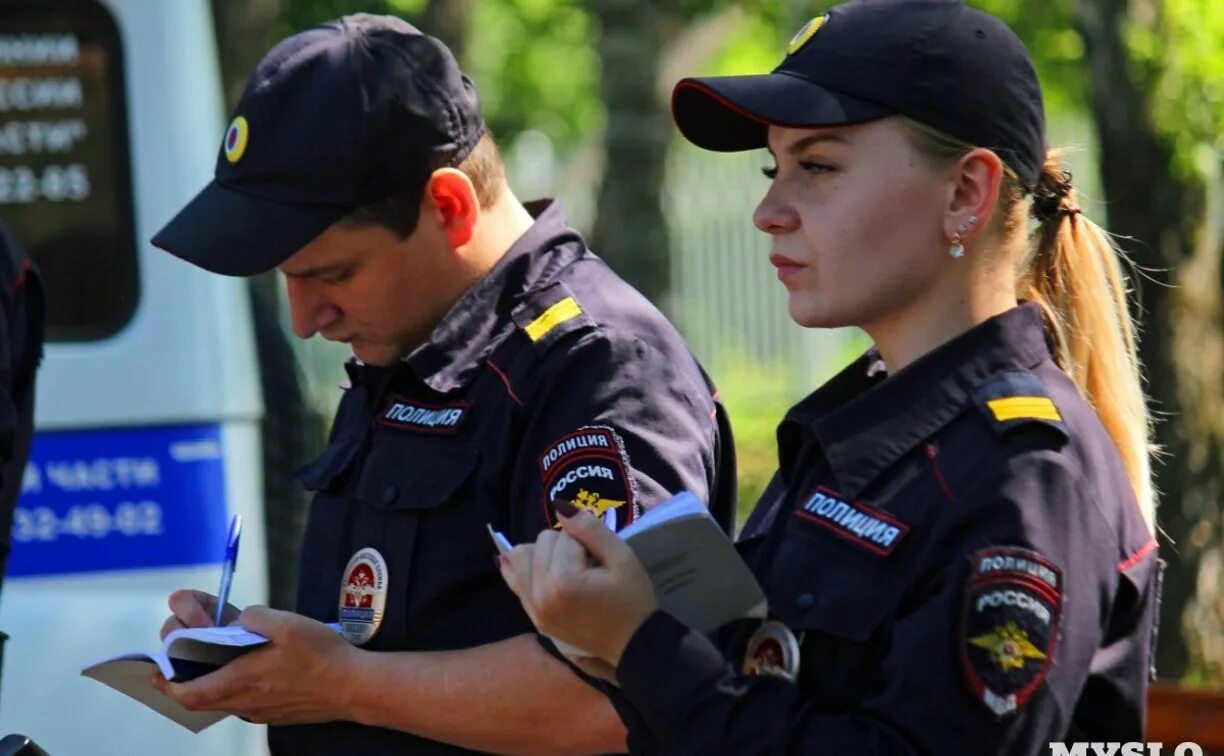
[(939, 62), (335, 117)]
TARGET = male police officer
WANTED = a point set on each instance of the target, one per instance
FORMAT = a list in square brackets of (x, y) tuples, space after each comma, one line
[(502, 373)]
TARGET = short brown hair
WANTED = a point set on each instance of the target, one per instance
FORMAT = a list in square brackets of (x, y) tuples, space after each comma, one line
[(399, 212)]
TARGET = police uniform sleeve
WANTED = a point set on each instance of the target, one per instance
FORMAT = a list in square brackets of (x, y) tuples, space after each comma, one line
[(977, 655), (22, 315), (614, 426)]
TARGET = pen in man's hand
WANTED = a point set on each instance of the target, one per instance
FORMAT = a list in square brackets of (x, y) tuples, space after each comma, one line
[(227, 568)]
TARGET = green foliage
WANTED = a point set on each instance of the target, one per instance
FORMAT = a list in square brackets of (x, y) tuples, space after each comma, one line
[(756, 396), (537, 67), (301, 14), (1178, 56), (1056, 47)]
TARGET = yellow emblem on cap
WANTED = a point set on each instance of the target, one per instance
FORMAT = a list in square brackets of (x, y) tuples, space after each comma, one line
[(1009, 646), (236, 139), (806, 33)]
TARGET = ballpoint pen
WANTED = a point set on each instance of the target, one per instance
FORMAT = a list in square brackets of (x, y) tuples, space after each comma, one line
[(227, 569)]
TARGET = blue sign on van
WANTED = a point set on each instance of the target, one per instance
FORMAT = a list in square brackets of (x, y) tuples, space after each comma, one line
[(103, 500)]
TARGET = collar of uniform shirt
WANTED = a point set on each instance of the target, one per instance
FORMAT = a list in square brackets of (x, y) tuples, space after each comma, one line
[(460, 342), (865, 423)]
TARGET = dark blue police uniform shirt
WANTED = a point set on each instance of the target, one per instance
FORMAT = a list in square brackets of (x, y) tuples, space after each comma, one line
[(960, 553), (550, 380)]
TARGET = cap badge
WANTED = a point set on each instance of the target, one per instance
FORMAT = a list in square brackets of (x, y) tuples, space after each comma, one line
[(806, 33), (363, 595), (236, 139)]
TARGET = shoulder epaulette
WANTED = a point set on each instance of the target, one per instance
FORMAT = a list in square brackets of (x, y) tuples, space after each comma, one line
[(550, 313), (1015, 398)]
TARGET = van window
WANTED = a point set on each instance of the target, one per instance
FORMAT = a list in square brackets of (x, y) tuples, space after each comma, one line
[(65, 181)]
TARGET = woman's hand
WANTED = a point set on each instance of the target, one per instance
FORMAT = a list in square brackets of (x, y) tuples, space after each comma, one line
[(594, 606)]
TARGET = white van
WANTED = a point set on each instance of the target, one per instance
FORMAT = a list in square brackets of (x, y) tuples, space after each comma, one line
[(148, 404)]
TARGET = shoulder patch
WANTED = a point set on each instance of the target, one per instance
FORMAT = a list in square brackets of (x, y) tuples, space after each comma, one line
[(1010, 625), (590, 470), (1017, 398), (551, 313)]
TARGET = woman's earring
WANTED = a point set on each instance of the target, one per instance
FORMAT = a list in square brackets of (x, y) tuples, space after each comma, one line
[(958, 249)]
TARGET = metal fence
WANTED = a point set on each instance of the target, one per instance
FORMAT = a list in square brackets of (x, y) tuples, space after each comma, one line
[(726, 298)]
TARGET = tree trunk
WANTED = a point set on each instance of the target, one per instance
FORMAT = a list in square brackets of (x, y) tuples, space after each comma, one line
[(243, 29), (1159, 217), (291, 433), (448, 21), (630, 230)]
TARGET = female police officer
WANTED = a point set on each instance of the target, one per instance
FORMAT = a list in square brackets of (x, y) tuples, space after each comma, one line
[(957, 547)]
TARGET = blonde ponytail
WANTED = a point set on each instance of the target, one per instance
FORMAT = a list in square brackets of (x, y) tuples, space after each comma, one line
[(1073, 271)]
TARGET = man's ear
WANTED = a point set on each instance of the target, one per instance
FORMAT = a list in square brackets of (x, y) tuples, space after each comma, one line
[(454, 200)]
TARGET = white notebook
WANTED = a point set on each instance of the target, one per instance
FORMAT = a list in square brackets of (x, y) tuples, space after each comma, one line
[(698, 576), (185, 655)]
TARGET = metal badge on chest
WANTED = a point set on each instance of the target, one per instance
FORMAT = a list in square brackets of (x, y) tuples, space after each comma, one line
[(363, 596), (773, 650)]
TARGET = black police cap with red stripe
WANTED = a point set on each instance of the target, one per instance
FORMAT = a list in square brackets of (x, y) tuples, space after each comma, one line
[(335, 117), (951, 67)]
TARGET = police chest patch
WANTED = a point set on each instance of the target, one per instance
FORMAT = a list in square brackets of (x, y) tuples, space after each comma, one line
[(590, 470), (858, 523), (1009, 631), (409, 414)]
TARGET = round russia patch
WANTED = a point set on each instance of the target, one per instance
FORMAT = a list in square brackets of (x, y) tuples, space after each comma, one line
[(363, 596), (773, 651), (236, 139)]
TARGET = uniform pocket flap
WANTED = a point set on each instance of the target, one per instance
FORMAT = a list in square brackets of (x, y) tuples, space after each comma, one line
[(330, 466), (818, 592), (420, 478)]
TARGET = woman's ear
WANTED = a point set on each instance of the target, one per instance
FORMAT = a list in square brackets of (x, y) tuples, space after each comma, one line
[(454, 200), (976, 180)]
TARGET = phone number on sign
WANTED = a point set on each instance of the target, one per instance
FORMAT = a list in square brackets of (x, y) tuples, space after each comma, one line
[(56, 183), (139, 518)]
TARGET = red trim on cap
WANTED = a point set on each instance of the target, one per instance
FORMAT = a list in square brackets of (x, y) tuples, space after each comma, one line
[(1138, 556), (709, 92), (740, 111)]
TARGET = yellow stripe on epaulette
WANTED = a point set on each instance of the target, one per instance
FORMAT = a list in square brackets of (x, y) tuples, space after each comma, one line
[(1024, 408), (566, 309)]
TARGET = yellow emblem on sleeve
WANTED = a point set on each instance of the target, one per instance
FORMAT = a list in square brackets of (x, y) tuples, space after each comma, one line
[(593, 503), (1009, 646), (1024, 408), (806, 33), (566, 309)]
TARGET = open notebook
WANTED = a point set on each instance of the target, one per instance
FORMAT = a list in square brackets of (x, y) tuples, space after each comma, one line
[(698, 576), (185, 655)]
